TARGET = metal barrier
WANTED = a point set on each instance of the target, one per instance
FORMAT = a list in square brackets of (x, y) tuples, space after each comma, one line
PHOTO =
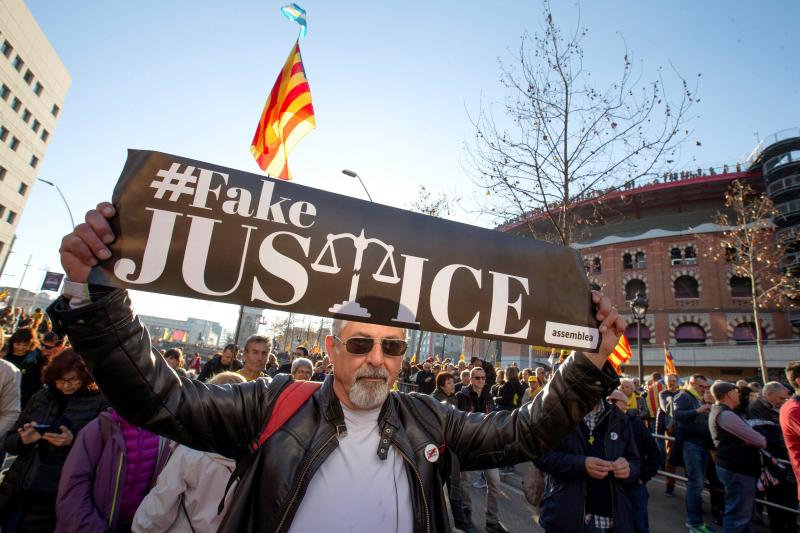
[(685, 479)]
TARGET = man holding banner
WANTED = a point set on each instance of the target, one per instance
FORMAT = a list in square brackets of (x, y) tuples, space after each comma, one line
[(370, 455)]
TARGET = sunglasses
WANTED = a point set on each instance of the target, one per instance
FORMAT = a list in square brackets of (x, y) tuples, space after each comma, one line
[(363, 345), (479, 378)]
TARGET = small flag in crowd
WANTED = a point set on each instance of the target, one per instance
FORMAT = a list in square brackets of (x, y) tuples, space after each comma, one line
[(621, 354), (461, 358), (52, 281), (414, 359), (287, 116), (669, 364)]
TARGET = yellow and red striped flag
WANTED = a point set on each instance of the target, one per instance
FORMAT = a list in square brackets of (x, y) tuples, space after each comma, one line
[(287, 116), (669, 362), (621, 354)]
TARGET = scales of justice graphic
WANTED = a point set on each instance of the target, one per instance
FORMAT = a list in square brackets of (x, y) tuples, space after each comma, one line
[(361, 242)]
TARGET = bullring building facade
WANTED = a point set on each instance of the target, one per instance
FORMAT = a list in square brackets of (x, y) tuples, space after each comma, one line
[(653, 240)]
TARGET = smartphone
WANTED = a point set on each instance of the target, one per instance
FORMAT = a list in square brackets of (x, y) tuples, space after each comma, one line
[(43, 428)]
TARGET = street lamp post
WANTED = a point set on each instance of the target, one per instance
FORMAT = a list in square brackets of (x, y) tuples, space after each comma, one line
[(639, 310), (50, 183), (444, 342), (353, 174)]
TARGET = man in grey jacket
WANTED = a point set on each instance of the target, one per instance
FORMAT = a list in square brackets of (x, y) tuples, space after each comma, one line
[(10, 378)]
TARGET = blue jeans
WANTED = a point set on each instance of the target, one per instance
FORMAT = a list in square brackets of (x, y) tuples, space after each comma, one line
[(639, 497), (695, 459), (740, 501)]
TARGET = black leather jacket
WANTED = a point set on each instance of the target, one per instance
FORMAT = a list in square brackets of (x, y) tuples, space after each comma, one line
[(225, 420)]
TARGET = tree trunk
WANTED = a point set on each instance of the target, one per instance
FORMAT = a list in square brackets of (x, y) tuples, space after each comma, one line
[(759, 342)]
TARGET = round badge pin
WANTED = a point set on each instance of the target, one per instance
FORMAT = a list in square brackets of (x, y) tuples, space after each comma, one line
[(614, 436), (431, 453)]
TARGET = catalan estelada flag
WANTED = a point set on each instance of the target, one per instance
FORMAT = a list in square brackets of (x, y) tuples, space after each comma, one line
[(287, 116), (669, 362), (621, 354)]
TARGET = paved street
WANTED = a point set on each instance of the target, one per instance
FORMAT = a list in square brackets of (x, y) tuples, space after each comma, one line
[(666, 514)]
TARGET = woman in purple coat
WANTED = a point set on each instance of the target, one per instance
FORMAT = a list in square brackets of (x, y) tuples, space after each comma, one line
[(110, 469)]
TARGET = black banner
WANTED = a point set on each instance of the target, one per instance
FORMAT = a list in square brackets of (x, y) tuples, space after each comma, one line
[(52, 281), (200, 230)]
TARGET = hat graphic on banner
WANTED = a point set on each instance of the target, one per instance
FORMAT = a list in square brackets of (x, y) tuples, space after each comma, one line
[(52, 281)]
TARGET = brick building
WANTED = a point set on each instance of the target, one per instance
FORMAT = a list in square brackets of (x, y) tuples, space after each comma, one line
[(654, 239)]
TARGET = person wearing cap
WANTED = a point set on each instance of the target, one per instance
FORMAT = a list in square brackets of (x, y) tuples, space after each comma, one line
[(590, 474), (738, 460), (650, 460), (224, 362), (533, 389)]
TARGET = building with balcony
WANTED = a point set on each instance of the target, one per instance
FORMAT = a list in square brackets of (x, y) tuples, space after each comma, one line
[(653, 239), (33, 85)]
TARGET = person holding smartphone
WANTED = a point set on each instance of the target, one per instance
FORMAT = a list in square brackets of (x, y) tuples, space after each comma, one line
[(42, 438)]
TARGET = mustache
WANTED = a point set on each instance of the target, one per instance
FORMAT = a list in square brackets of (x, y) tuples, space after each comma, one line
[(368, 371)]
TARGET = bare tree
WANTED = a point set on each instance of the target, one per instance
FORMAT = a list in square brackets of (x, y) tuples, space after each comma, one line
[(434, 205), (564, 140), (751, 251)]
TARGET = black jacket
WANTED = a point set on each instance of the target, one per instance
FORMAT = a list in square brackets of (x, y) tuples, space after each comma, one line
[(214, 366), (561, 510), (510, 395), (45, 407), (650, 458), (226, 420), (469, 402)]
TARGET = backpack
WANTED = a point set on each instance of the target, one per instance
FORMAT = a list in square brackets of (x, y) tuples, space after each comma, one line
[(293, 396)]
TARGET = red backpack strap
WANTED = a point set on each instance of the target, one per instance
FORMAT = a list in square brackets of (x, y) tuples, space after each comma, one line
[(294, 396)]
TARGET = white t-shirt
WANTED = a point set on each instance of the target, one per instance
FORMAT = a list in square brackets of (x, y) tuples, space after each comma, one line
[(354, 491)]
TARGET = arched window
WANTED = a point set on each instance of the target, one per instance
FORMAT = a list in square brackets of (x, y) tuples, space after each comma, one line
[(686, 287), (596, 266), (690, 333), (746, 333), (633, 338), (731, 254), (633, 287), (741, 287), (675, 256), (640, 260), (689, 256), (627, 262)]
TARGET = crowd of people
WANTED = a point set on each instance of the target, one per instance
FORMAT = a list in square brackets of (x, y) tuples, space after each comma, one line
[(79, 465)]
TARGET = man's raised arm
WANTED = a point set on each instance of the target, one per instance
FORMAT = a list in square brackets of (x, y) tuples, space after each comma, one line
[(137, 381)]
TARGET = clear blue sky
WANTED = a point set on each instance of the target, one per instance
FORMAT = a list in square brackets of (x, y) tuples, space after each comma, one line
[(392, 84)]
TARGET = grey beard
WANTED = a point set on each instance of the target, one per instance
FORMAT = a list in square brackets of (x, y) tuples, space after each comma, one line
[(366, 394)]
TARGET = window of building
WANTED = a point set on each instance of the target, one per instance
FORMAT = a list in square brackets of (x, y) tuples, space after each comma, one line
[(22, 189), (640, 260), (627, 262), (6, 48), (595, 287), (5, 92), (18, 63), (731, 254), (2, 210), (56, 110), (3, 133), (686, 287), (35, 126), (690, 333), (596, 265), (689, 256), (741, 287), (28, 77), (34, 161), (675, 256), (2, 245), (3, 173), (45, 135), (26, 115), (12, 216), (746, 333), (634, 287), (16, 104), (14, 143), (631, 333), (38, 88)]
